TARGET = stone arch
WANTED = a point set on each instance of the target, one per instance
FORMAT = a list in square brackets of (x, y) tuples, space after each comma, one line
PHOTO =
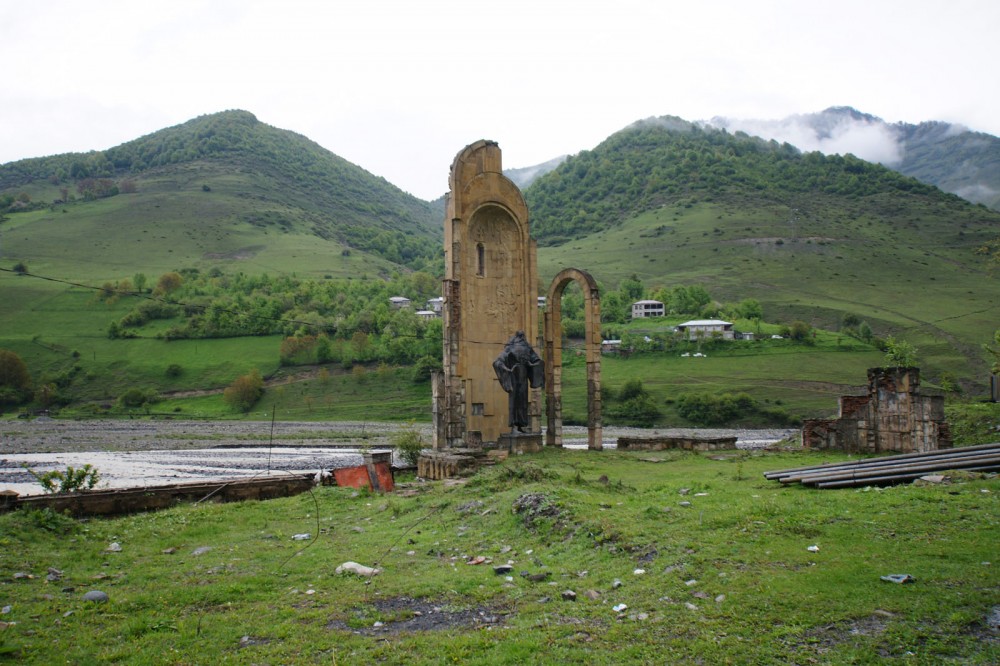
[(553, 356)]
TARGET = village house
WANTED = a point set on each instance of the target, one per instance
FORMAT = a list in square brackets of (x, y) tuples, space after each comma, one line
[(427, 314), (399, 302), (435, 304), (704, 329), (642, 309)]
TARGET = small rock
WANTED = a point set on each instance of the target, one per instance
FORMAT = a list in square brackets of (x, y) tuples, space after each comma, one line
[(67, 613), (569, 595), (700, 595), (684, 491), (719, 599), (115, 547), (95, 596), (616, 584), (358, 569), (593, 595), (5, 610), (899, 578), (169, 551), (690, 606), (603, 479), (201, 550), (642, 616), (538, 577), (639, 572), (685, 504), (378, 624), (20, 575), (359, 530), (502, 569), (691, 582)]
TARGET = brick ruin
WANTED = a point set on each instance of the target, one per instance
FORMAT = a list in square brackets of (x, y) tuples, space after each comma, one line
[(892, 417)]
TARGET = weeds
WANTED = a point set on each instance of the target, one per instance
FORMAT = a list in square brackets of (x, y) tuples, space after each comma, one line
[(70, 481)]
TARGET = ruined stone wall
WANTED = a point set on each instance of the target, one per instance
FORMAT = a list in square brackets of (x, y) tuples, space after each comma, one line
[(893, 417)]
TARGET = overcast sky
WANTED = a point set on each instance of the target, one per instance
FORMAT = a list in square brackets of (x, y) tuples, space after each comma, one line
[(400, 86)]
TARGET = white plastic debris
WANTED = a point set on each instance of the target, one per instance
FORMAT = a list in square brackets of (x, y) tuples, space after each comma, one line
[(639, 572), (301, 537), (359, 569), (619, 608), (813, 549)]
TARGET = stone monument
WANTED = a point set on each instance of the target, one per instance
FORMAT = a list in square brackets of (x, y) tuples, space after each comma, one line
[(490, 292)]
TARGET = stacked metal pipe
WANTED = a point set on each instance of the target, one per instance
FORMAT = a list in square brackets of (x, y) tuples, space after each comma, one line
[(888, 470)]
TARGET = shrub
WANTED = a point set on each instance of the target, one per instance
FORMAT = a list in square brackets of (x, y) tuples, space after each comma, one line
[(69, 481), (409, 443), (15, 381), (423, 368), (245, 391), (899, 353), (714, 409), (174, 370), (136, 397)]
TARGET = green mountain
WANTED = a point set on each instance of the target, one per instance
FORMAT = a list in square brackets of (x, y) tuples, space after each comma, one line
[(811, 237), (954, 159), (220, 190)]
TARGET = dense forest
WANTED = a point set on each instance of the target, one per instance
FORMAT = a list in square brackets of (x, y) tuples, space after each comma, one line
[(665, 160)]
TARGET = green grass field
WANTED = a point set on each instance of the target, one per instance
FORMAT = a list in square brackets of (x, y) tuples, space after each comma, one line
[(728, 577)]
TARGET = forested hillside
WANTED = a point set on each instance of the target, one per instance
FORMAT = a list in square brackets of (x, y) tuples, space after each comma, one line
[(664, 160), (278, 179)]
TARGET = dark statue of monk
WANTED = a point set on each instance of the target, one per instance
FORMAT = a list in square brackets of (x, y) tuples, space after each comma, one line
[(517, 368)]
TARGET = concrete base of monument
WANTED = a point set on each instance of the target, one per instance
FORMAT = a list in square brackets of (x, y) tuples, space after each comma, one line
[(449, 463), (520, 442)]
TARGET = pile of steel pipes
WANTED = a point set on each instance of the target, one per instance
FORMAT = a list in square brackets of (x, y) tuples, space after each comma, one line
[(890, 470)]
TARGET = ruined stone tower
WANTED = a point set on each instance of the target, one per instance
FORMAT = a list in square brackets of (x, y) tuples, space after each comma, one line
[(490, 292)]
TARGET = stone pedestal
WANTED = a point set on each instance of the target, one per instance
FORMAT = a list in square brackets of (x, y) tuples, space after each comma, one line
[(520, 442)]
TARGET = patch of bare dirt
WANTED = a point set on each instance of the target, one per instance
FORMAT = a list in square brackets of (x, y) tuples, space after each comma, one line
[(405, 614)]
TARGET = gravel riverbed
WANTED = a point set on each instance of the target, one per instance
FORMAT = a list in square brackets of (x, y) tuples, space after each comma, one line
[(136, 453)]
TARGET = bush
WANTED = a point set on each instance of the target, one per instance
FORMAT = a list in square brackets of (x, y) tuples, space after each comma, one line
[(136, 397), (423, 368), (69, 481), (409, 444), (174, 370), (715, 409), (15, 381), (245, 391)]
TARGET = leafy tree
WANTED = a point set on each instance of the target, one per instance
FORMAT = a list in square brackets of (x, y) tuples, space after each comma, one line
[(168, 282), (708, 410), (245, 391), (799, 331), (15, 381), (750, 308), (139, 280), (20, 268), (899, 353), (995, 352), (631, 289)]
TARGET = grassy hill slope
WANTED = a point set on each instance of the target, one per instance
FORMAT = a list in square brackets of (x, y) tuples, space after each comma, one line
[(220, 190), (810, 237)]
